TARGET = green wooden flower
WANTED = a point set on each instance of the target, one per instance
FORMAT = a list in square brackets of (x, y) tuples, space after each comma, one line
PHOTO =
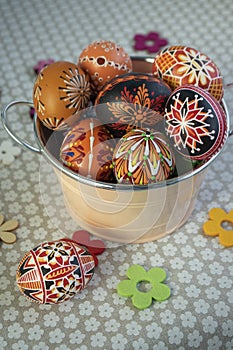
[(137, 276)]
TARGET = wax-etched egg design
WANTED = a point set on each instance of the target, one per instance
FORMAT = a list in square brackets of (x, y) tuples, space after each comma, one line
[(60, 90), (181, 65), (54, 271), (104, 60), (142, 157), (88, 149), (132, 100), (195, 122)]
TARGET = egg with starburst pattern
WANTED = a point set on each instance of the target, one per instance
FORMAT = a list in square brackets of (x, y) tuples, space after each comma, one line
[(195, 122)]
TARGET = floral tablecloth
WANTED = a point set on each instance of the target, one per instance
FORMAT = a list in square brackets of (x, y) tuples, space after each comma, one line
[(199, 312)]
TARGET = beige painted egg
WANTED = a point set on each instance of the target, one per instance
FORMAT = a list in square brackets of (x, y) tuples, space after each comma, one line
[(54, 271)]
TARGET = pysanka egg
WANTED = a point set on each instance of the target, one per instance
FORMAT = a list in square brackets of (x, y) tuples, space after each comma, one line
[(60, 90), (195, 122), (143, 156), (88, 149), (54, 271), (181, 65), (133, 100), (104, 60)]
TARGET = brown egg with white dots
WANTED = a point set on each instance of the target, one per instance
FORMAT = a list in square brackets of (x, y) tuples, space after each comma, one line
[(104, 60), (88, 149), (60, 90)]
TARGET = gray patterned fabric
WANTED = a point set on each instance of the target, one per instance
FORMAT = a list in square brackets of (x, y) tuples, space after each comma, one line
[(199, 313)]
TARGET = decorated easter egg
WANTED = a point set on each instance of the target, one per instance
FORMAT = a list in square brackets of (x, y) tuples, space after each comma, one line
[(54, 271), (60, 90), (133, 100), (88, 149), (181, 65), (104, 60), (143, 156), (195, 122)]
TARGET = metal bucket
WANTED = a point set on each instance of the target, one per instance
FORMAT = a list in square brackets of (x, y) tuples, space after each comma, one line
[(119, 212)]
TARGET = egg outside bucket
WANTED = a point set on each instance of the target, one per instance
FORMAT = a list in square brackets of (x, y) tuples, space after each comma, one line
[(118, 212)]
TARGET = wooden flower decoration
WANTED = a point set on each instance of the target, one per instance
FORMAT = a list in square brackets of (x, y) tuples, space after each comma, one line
[(5, 227), (215, 226), (151, 42), (137, 275)]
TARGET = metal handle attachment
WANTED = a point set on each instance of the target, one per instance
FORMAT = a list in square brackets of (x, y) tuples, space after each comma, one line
[(226, 87), (8, 129)]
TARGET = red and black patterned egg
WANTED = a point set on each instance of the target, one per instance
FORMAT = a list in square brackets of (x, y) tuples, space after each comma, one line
[(195, 122), (60, 90), (133, 100), (181, 65), (88, 149), (54, 271), (143, 156)]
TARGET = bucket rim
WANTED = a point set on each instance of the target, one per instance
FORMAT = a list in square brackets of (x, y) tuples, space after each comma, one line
[(117, 186)]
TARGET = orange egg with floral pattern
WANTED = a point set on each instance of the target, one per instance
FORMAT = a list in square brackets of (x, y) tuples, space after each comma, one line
[(60, 90), (181, 65)]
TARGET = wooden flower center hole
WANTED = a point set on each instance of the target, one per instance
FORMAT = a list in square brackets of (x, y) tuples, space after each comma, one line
[(144, 286), (150, 42), (227, 225)]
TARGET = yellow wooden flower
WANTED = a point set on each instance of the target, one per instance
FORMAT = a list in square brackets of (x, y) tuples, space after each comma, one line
[(215, 226), (5, 227)]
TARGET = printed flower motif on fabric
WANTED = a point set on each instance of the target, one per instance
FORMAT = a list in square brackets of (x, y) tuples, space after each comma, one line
[(215, 226), (186, 123), (8, 152), (155, 289), (136, 110)]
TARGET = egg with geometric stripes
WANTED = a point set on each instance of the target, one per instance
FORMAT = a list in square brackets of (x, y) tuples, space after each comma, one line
[(54, 271), (182, 65)]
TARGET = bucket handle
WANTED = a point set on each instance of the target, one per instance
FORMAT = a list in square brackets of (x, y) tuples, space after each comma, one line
[(227, 86), (10, 132)]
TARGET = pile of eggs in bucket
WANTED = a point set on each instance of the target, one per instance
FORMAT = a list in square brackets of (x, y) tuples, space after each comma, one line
[(140, 124)]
